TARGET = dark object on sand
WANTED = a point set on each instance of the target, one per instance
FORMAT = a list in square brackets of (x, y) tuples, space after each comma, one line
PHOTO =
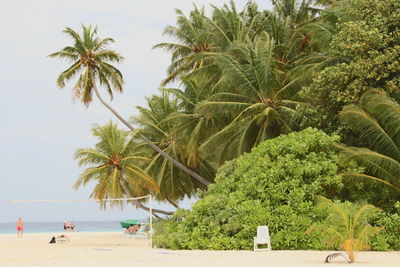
[(53, 240)]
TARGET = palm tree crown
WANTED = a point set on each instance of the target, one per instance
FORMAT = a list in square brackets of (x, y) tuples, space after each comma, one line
[(259, 98), (193, 40), (91, 61), (115, 164)]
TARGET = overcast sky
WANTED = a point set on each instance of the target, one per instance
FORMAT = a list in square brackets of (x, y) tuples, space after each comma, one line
[(40, 126)]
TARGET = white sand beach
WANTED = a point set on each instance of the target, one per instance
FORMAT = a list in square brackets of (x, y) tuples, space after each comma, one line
[(113, 249)]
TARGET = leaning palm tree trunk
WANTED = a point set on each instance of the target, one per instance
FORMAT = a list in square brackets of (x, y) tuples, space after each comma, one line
[(151, 144), (173, 203), (141, 206)]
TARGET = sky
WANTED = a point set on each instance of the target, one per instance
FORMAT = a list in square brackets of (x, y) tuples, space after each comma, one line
[(41, 126)]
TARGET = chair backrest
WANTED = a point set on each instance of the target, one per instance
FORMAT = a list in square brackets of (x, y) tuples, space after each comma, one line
[(262, 234)]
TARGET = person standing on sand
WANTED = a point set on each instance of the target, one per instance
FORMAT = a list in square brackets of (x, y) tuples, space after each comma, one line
[(67, 226), (20, 227)]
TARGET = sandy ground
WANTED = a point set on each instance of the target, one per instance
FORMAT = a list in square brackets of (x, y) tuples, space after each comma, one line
[(113, 249)]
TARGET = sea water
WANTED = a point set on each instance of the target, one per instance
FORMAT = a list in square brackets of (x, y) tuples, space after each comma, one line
[(55, 227)]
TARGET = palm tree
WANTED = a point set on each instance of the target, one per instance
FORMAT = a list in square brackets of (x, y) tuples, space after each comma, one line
[(154, 123), (376, 123), (92, 63), (320, 31), (259, 99), (198, 35), (193, 39), (117, 167), (286, 28), (229, 26), (191, 127), (347, 228)]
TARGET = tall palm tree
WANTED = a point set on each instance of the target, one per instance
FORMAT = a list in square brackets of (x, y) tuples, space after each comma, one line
[(259, 99), (117, 165), (376, 123), (348, 228), (92, 63)]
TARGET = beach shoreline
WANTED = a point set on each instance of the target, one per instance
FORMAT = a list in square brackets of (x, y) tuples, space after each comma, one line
[(56, 226), (115, 249)]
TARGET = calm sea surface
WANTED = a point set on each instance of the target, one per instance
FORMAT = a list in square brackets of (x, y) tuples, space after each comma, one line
[(49, 227)]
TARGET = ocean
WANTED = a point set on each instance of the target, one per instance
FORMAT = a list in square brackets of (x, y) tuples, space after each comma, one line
[(51, 227)]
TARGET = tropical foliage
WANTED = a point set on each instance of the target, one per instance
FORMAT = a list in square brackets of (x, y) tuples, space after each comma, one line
[(154, 123), (274, 185), (91, 62), (332, 55), (256, 78), (186, 55), (389, 221), (261, 103), (116, 167), (347, 227), (366, 46), (376, 123)]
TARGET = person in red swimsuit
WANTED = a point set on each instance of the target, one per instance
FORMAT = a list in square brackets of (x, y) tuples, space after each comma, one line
[(20, 227)]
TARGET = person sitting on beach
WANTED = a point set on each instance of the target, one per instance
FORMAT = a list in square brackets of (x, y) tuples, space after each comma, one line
[(20, 227), (60, 238), (67, 226), (130, 230)]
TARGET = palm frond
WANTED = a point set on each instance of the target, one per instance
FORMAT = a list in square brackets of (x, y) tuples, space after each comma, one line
[(68, 74), (368, 128), (330, 257)]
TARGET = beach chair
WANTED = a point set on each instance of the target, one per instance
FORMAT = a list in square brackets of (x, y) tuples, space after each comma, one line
[(262, 238), (141, 233), (129, 235)]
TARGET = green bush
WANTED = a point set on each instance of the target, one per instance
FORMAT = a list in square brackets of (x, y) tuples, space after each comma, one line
[(274, 185), (389, 237)]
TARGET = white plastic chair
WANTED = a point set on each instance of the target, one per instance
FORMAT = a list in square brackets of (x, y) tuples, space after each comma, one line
[(262, 238)]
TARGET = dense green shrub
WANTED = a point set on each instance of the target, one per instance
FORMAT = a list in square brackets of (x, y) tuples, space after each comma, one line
[(273, 185), (389, 237)]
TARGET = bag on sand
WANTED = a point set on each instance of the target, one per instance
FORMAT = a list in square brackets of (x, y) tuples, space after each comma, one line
[(53, 240)]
